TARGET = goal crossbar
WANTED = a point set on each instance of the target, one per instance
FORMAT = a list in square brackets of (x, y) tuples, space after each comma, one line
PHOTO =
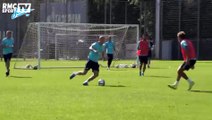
[(46, 41)]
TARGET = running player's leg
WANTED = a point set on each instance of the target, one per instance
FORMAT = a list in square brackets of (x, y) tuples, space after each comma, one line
[(95, 69), (84, 72), (7, 59), (110, 58), (95, 74), (149, 59), (179, 75), (148, 63), (140, 66), (144, 69), (140, 69), (145, 59), (183, 74)]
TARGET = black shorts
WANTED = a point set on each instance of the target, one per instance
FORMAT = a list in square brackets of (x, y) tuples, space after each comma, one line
[(7, 57), (187, 67), (110, 56), (143, 59), (92, 65)]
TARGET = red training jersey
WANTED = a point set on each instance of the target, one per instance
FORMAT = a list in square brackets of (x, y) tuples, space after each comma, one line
[(143, 48), (190, 49)]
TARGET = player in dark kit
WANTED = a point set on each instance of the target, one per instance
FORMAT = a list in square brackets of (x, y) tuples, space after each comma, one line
[(151, 47), (142, 52), (189, 56)]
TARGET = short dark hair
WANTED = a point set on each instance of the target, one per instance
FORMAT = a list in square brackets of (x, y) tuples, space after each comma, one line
[(8, 31), (181, 35)]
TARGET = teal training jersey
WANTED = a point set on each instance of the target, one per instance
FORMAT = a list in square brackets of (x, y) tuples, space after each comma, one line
[(9, 43), (110, 47), (94, 56), (184, 44)]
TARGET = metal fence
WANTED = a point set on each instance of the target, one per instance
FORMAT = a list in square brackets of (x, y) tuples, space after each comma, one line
[(72, 11), (192, 16), (68, 11)]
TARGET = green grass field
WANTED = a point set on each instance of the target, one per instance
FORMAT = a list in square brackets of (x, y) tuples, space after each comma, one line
[(48, 94)]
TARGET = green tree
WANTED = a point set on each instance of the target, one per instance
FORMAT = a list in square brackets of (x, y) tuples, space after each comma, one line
[(140, 12), (147, 15)]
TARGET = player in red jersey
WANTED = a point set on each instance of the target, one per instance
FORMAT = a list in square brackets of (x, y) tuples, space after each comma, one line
[(142, 52), (189, 57)]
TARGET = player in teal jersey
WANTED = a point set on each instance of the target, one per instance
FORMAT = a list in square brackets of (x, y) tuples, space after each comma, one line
[(7, 44), (96, 50), (110, 49)]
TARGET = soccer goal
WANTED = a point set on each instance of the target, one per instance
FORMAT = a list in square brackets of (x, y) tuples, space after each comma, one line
[(60, 45)]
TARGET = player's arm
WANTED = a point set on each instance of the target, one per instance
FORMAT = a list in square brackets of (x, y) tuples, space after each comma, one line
[(13, 43), (105, 46), (185, 47), (103, 51), (138, 46), (6, 46), (3, 45), (152, 45), (187, 58), (92, 48)]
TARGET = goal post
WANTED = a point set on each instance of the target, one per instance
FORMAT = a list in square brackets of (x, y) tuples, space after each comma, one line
[(54, 45)]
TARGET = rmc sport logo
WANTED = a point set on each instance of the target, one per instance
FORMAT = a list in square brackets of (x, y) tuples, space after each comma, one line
[(17, 9)]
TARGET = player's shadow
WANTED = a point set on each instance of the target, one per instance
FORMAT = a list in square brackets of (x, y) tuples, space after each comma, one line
[(201, 91), (158, 76), (158, 68), (20, 76), (118, 69), (115, 86)]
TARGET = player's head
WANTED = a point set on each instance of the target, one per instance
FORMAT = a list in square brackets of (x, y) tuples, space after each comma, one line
[(9, 34), (181, 35), (101, 39), (110, 38), (145, 37)]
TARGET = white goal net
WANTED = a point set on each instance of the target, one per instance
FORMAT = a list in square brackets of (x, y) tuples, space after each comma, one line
[(55, 45)]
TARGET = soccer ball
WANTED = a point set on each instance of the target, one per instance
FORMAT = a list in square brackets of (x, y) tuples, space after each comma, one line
[(101, 82), (35, 67), (28, 66), (133, 65)]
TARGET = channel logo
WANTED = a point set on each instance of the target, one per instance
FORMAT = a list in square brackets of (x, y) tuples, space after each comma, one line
[(17, 9)]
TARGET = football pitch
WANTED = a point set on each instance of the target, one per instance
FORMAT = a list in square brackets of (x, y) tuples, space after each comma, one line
[(48, 94)]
